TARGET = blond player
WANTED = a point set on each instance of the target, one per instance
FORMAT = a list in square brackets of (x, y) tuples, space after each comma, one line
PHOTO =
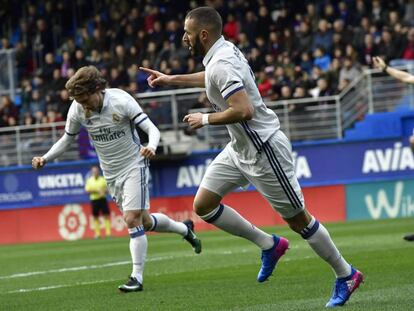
[(111, 117)]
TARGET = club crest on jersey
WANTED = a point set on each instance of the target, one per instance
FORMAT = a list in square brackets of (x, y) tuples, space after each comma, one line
[(116, 118)]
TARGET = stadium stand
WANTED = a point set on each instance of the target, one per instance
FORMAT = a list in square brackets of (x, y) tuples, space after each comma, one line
[(310, 59), (296, 48)]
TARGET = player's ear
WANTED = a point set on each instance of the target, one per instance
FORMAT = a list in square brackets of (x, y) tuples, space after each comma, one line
[(203, 35)]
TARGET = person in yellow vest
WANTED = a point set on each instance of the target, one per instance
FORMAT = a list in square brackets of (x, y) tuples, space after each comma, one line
[(96, 187)]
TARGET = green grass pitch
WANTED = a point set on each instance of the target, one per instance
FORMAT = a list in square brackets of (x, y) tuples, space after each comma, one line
[(84, 275)]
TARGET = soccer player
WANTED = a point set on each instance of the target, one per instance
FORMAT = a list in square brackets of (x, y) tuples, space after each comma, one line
[(111, 116), (258, 153), (96, 187), (406, 78)]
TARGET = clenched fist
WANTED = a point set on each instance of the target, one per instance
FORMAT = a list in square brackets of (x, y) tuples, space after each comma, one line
[(38, 162)]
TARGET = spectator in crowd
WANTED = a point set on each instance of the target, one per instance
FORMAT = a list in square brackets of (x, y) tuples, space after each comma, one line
[(348, 71), (231, 28), (368, 50), (270, 34), (321, 59), (408, 46), (37, 103), (79, 60), (285, 93), (387, 47), (57, 82), (66, 64), (321, 89), (46, 71), (323, 37), (8, 112), (304, 38), (249, 26)]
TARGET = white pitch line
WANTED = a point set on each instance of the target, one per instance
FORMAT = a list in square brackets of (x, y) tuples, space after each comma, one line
[(26, 274), (51, 287), (44, 288), (80, 268), (110, 264)]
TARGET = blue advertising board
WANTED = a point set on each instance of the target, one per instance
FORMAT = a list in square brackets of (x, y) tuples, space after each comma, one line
[(50, 186), (316, 164), (357, 161)]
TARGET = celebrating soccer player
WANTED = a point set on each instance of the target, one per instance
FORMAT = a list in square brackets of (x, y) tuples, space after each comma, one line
[(258, 153), (107, 114)]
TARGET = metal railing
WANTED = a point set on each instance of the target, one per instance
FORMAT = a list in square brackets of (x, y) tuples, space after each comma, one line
[(301, 119), (20, 143), (8, 72)]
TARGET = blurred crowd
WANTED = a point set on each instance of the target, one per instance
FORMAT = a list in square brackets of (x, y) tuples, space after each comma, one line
[(296, 49)]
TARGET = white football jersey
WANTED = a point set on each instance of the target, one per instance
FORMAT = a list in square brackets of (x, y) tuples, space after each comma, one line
[(226, 72), (112, 131)]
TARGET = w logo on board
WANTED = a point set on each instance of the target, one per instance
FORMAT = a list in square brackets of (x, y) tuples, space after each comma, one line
[(393, 206)]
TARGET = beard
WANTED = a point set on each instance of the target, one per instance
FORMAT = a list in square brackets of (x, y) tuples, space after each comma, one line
[(197, 49)]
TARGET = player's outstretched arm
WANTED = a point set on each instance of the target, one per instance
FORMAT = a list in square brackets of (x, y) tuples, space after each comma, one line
[(157, 78), (57, 149), (397, 74)]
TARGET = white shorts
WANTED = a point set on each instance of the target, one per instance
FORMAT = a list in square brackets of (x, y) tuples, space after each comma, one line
[(273, 175), (130, 191)]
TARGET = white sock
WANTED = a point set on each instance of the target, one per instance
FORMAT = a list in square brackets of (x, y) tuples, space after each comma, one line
[(227, 219), (138, 246), (163, 223), (320, 241)]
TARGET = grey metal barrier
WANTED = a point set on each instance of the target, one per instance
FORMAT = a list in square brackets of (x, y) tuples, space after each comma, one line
[(301, 119)]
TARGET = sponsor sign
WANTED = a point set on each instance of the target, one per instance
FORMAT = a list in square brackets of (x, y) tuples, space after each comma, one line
[(315, 165), (53, 223), (378, 200), (358, 161), (74, 221), (41, 188)]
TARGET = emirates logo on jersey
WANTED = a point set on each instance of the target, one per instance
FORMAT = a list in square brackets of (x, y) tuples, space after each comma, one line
[(115, 118)]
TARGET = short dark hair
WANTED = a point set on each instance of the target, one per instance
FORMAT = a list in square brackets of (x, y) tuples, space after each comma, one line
[(207, 17), (87, 80)]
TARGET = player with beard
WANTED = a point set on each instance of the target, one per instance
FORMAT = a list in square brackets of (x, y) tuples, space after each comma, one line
[(258, 153), (406, 78)]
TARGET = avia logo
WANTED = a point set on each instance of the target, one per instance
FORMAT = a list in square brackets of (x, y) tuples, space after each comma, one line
[(191, 175), (391, 159), (398, 205), (302, 168)]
